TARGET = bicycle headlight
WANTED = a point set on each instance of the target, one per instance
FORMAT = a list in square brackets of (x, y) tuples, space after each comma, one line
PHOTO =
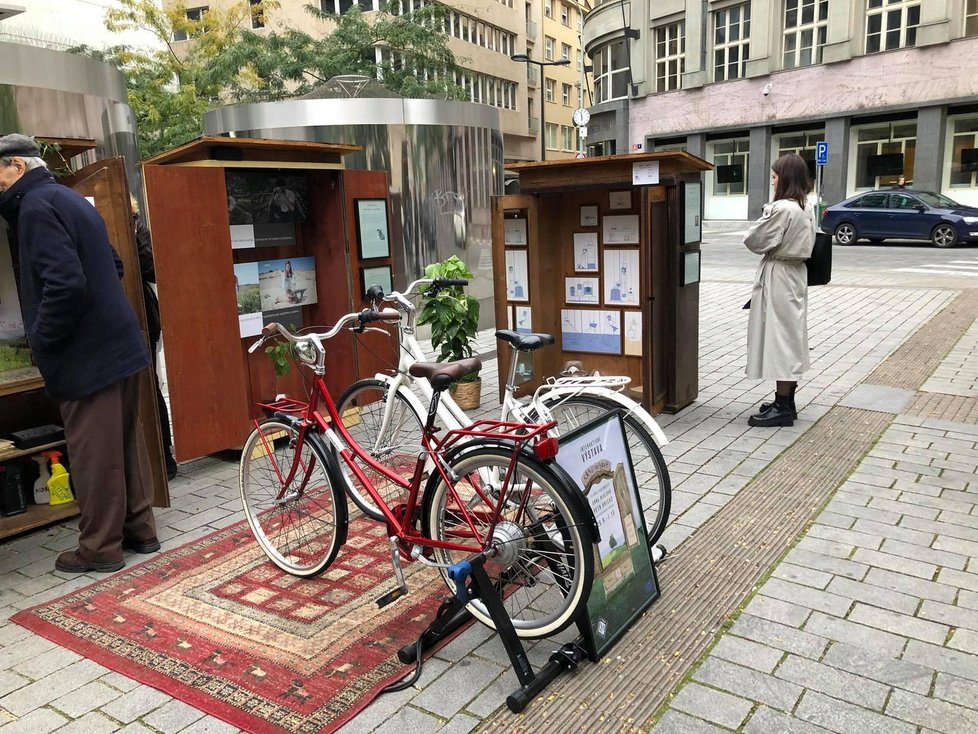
[(305, 352)]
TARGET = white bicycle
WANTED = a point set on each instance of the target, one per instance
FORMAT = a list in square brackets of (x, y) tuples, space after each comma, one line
[(386, 416)]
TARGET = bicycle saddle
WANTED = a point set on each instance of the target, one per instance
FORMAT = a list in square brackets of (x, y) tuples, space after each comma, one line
[(441, 375), (525, 342)]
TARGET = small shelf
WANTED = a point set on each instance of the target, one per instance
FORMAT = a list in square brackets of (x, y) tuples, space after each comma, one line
[(17, 453), (35, 517)]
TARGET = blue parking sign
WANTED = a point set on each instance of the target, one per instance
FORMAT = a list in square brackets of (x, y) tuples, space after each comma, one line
[(821, 153)]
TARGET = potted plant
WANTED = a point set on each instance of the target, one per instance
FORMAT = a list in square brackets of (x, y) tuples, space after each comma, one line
[(454, 319)]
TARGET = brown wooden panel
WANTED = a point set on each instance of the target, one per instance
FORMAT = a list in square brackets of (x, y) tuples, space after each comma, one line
[(252, 149), (206, 368), (105, 181)]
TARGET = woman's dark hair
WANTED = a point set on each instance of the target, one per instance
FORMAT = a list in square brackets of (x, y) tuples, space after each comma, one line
[(793, 182)]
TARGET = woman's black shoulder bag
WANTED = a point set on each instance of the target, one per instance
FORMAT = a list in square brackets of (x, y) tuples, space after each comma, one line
[(820, 263)]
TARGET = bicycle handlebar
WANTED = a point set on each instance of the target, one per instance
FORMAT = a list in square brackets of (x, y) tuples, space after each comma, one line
[(400, 298), (363, 317)]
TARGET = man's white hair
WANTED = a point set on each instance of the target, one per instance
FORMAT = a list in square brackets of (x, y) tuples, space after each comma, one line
[(30, 161)]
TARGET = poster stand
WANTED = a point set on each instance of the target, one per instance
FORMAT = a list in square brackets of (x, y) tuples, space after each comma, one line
[(472, 582)]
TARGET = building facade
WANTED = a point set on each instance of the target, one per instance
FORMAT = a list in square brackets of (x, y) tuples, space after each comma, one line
[(890, 85), (483, 35)]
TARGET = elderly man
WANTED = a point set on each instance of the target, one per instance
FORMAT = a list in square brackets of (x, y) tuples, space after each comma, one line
[(87, 344)]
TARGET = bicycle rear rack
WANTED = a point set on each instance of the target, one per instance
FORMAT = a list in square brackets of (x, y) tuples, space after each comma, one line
[(283, 405)]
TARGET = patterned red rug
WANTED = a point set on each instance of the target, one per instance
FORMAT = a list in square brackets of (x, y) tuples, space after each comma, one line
[(216, 625)]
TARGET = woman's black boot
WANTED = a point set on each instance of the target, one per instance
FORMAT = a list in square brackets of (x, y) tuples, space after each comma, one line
[(791, 402), (779, 413)]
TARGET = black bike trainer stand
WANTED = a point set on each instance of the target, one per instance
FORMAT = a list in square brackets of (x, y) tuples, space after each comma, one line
[(452, 614)]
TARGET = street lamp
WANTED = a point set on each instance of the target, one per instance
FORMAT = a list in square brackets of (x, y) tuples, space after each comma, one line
[(543, 97)]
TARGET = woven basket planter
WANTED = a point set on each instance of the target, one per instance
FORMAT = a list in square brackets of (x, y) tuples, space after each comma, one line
[(468, 395)]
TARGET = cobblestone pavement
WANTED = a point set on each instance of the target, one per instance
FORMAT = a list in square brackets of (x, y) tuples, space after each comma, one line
[(870, 622)]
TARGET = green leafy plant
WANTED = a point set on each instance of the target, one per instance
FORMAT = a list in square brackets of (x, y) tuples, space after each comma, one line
[(452, 314), (281, 355)]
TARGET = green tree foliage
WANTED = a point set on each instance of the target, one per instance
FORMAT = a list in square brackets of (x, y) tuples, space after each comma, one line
[(224, 61)]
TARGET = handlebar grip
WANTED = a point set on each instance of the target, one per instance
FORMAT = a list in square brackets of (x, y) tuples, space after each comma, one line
[(375, 293), (270, 329), (368, 316)]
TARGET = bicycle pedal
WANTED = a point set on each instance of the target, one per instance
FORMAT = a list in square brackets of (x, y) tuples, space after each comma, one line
[(392, 596)]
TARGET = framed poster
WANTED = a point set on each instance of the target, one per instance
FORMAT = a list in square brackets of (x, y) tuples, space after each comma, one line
[(581, 290), (373, 237), (380, 275), (621, 278), (633, 333), (287, 282), (514, 231), (517, 287), (596, 457), (586, 252), (248, 294), (692, 212), (590, 330), (524, 321), (620, 200), (691, 269), (589, 216), (620, 230)]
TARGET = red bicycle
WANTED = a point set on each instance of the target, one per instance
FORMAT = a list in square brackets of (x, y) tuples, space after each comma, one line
[(490, 487)]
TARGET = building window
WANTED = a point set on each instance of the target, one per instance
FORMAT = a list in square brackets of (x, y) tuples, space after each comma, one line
[(971, 18), (670, 56), (964, 153), (567, 138), (805, 25), (257, 14), (564, 15), (803, 144), (731, 159), (731, 42), (548, 48), (551, 86), (193, 15), (552, 136), (891, 24), (548, 8), (610, 73), (565, 94), (565, 51), (884, 153)]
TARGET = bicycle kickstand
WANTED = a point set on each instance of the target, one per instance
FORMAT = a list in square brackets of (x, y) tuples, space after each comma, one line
[(402, 587)]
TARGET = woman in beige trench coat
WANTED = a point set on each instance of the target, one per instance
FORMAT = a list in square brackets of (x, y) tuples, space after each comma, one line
[(777, 330)]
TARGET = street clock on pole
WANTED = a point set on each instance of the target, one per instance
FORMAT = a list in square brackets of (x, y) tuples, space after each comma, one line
[(581, 117)]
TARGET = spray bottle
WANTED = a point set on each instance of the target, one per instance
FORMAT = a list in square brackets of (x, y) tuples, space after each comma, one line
[(58, 487), (41, 494)]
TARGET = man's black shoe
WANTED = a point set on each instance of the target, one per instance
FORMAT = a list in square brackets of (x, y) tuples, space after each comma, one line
[(141, 546)]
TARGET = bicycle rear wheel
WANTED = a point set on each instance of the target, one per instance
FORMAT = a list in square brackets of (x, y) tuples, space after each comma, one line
[(544, 563), (363, 405), (298, 522), (651, 472)]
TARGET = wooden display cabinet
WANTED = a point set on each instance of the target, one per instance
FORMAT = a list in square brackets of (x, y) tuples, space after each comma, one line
[(23, 403), (604, 254), (213, 382)]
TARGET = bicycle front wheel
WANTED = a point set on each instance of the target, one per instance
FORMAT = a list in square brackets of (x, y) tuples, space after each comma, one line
[(292, 506), (397, 447), (651, 473), (542, 561)]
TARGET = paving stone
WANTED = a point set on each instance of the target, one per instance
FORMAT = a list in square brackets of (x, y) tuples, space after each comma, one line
[(957, 545), (900, 624), (937, 715), (172, 717), (87, 698), (745, 652), (911, 585), (960, 579), (769, 721), (10, 681), (955, 690), (776, 610), (948, 614), (896, 532), (712, 705), (927, 555), (673, 722), (964, 639), (840, 535), (39, 721), (872, 665), (460, 724), (450, 693), (805, 596), (91, 723), (210, 725), (46, 663), (847, 718), (825, 547), (136, 727), (138, 702), (801, 575), (839, 566), (935, 657), (888, 508), (51, 688), (865, 592), (780, 636), (895, 563), (833, 682), (854, 634), (750, 684), (409, 720)]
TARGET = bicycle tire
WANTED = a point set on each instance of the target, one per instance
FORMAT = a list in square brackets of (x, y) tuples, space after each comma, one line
[(546, 565), (397, 451), (301, 532), (651, 472)]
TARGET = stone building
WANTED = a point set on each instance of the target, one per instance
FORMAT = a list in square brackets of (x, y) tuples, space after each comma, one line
[(890, 85)]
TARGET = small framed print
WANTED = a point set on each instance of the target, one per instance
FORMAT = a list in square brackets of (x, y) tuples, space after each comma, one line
[(691, 269), (581, 290), (586, 252), (514, 231), (589, 216), (620, 200), (373, 236), (380, 275), (517, 288)]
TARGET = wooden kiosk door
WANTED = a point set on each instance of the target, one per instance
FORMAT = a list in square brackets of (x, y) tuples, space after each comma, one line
[(187, 210), (105, 181)]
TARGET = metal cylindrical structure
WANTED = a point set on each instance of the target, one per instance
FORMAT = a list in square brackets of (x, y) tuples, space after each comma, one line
[(445, 161)]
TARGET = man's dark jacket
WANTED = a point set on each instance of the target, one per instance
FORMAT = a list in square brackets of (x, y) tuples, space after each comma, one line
[(82, 330)]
